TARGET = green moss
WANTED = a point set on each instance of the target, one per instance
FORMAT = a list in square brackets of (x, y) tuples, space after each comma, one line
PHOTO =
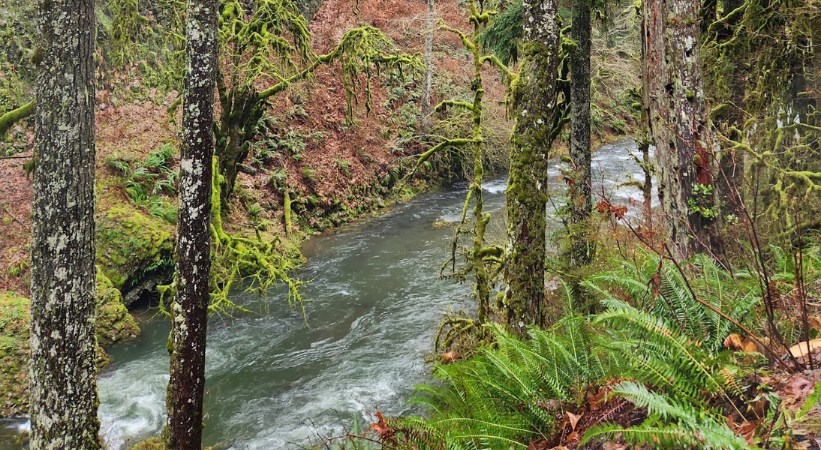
[(14, 351), (154, 443), (131, 244), (114, 323)]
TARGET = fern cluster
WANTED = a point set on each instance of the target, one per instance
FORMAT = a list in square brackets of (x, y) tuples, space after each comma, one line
[(151, 183), (653, 345), (511, 393)]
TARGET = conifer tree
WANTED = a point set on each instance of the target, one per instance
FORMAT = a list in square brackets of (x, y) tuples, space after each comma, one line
[(579, 196), (672, 77)]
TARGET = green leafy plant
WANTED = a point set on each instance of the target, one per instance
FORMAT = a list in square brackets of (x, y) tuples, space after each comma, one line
[(701, 202), (510, 393), (344, 166), (309, 173)]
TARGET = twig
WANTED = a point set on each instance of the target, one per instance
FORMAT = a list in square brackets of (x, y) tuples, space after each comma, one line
[(12, 216)]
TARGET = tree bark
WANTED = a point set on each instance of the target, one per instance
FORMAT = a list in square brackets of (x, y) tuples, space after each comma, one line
[(63, 388), (678, 124), (579, 194), (189, 308), (430, 29), (534, 97)]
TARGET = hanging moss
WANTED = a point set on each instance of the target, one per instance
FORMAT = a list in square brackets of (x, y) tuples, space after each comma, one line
[(269, 43), (258, 262), (763, 80), (286, 207)]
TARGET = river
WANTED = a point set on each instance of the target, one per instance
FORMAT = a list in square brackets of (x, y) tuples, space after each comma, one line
[(373, 299)]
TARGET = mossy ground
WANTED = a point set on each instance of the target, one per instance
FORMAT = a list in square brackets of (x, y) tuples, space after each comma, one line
[(14, 350)]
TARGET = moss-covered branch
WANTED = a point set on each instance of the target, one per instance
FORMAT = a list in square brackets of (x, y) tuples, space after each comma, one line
[(445, 104), (496, 62), (8, 119), (360, 50)]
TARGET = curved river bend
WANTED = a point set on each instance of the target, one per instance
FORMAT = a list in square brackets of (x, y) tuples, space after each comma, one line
[(373, 301)]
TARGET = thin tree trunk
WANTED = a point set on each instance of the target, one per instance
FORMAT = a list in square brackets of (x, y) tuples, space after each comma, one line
[(63, 388), (579, 193), (673, 79), (534, 96), (190, 306), (645, 139), (427, 96)]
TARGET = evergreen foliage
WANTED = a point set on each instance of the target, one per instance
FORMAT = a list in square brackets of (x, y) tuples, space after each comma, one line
[(504, 33), (149, 183), (508, 394)]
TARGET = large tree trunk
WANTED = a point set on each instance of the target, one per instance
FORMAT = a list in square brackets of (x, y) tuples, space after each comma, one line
[(730, 164), (678, 124), (534, 97), (190, 306), (63, 389), (579, 195)]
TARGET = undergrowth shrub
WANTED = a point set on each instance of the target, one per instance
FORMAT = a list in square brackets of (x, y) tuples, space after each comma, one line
[(510, 393)]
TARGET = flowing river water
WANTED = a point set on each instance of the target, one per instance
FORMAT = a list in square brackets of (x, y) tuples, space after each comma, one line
[(373, 300)]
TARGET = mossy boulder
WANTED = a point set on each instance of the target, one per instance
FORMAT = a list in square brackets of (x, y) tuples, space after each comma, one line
[(114, 324), (132, 246)]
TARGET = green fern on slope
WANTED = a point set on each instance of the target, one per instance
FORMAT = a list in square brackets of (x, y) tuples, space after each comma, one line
[(669, 424), (509, 395), (663, 291)]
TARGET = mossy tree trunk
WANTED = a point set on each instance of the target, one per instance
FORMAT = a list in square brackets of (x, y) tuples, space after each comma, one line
[(678, 124), (64, 400), (644, 140), (534, 96), (241, 110), (579, 193), (189, 309), (730, 162)]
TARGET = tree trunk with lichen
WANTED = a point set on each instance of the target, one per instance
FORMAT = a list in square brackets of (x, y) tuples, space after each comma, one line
[(534, 96), (678, 124), (730, 164), (63, 391), (579, 193), (189, 308), (427, 96)]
